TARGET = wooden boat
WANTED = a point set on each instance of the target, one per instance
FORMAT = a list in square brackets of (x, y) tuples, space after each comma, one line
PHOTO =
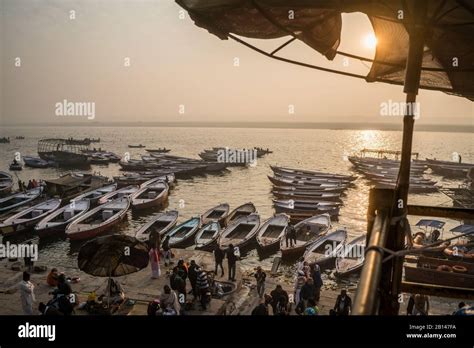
[(460, 251), (96, 194), (431, 161), (18, 199), (159, 224), (182, 235), (311, 179), (126, 191), (98, 220), (242, 210), (241, 232), (153, 195), (35, 162), (325, 249), (163, 150), (57, 221), (27, 219), (139, 146), (442, 276), (301, 209), (272, 231), (307, 231), (218, 213), (280, 181), (16, 166), (309, 189), (310, 196), (295, 172), (351, 259), (206, 237), (153, 181), (451, 170), (6, 183), (434, 262)]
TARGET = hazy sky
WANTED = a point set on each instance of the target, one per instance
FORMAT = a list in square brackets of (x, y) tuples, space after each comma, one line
[(173, 63)]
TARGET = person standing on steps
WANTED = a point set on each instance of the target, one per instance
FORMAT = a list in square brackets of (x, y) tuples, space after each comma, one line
[(232, 261), (260, 276), (219, 258)]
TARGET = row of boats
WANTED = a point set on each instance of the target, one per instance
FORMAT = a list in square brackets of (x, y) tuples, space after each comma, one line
[(303, 193), (84, 216), (243, 228), (383, 172), (233, 156), (449, 169)]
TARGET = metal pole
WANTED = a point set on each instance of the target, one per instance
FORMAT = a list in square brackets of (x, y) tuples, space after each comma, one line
[(391, 283)]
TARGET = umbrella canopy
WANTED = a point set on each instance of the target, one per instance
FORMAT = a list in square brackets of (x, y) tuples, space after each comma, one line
[(113, 256), (447, 58)]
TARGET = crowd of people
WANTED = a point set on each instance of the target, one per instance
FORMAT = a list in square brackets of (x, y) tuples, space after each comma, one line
[(32, 183), (305, 296)]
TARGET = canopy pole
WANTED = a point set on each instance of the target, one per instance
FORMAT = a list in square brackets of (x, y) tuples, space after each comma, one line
[(392, 270)]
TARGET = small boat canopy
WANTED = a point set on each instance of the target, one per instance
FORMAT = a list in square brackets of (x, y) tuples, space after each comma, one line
[(430, 223)]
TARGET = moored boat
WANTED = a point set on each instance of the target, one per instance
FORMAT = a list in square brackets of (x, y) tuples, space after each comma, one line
[(160, 224), (206, 237), (293, 171), (150, 196), (323, 251), (57, 221), (183, 235), (35, 162), (27, 219), (242, 210), (307, 231), (126, 191), (18, 199), (99, 220), (352, 257), (241, 232), (94, 195), (218, 213), (6, 183), (272, 231)]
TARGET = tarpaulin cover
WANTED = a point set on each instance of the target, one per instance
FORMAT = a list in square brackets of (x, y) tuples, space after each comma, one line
[(449, 32)]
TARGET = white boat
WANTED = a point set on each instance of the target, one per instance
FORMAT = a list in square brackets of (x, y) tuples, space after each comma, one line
[(242, 210), (94, 195), (160, 224), (58, 220), (19, 199), (218, 213), (351, 259), (98, 220), (307, 231), (150, 196), (241, 232), (126, 191), (27, 219), (323, 251), (271, 231), (206, 237)]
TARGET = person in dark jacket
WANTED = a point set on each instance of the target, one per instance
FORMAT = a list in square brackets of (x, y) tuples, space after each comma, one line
[(177, 283), (261, 309), (260, 276), (279, 300), (202, 285), (182, 269), (192, 275), (232, 262), (343, 304), (219, 258), (290, 235), (166, 250), (308, 291), (318, 281), (63, 286)]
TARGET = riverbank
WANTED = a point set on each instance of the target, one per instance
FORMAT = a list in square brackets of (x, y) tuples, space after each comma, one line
[(140, 289)]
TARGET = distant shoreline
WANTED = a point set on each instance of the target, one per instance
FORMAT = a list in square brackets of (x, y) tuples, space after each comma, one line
[(262, 125)]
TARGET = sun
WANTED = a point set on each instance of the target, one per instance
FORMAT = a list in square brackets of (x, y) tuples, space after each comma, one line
[(370, 41)]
